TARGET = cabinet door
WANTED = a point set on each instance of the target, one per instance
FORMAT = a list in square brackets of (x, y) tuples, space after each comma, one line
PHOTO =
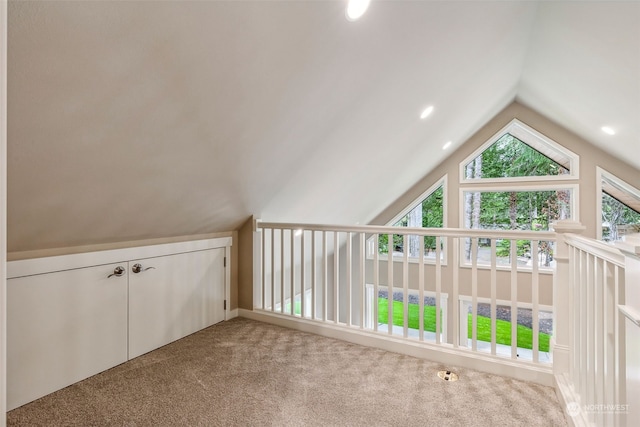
[(63, 327), (174, 296)]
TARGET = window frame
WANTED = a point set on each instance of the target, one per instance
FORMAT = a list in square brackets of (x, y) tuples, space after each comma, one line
[(574, 206), (535, 140), (601, 175), (441, 182), (575, 194)]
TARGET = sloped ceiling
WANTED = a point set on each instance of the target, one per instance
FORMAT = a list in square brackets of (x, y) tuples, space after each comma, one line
[(134, 120)]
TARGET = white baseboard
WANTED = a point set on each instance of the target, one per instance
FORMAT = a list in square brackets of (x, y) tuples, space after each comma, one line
[(233, 314), (446, 354), (569, 401)]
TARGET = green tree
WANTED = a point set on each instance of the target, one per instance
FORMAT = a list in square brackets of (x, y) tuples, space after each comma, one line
[(616, 214), (509, 157), (432, 217)]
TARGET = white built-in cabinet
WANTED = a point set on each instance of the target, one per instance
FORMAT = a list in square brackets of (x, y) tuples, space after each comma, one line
[(73, 316), (63, 327), (174, 296)]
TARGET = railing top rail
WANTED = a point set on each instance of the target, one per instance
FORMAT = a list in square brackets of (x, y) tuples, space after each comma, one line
[(387, 229), (596, 247)]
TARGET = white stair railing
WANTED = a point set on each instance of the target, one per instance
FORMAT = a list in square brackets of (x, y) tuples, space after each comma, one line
[(593, 382), (337, 275), (597, 288), (342, 277)]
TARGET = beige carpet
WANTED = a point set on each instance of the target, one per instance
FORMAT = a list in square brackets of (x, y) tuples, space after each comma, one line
[(247, 373)]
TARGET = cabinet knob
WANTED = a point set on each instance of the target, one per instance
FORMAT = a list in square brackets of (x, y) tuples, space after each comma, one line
[(137, 268), (118, 271)]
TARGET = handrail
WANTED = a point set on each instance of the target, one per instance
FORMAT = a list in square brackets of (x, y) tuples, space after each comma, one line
[(595, 309), (308, 269), (417, 231), (595, 247), (329, 268)]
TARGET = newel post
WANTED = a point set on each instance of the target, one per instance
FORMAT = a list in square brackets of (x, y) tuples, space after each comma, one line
[(562, 296)]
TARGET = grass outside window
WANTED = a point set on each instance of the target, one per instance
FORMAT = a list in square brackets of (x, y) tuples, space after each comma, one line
[(503, 328)]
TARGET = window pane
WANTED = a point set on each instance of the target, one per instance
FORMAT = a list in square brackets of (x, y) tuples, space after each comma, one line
[(523, 253), (618, 219), (428, 214), (515, 210), (509, 157)]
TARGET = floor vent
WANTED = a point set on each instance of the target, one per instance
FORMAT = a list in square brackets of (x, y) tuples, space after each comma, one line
[(448, 375)]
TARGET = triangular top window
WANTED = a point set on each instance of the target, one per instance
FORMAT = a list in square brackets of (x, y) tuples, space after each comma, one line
[(427, 211), (516, 153), (619, 207)]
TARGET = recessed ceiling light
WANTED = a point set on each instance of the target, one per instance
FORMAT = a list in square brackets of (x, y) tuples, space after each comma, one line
[(426, 112), (608, 130), (446, 145), (356, 8)]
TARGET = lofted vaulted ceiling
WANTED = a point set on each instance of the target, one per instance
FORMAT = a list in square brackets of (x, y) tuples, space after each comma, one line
[(133, 120)]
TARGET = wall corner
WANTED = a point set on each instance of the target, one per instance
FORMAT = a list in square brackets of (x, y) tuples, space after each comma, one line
[(245, 264)]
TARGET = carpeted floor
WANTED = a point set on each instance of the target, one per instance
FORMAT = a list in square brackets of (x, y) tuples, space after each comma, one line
[(247, 373)]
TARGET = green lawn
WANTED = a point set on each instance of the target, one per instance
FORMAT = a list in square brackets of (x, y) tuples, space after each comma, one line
[(503, 328)]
